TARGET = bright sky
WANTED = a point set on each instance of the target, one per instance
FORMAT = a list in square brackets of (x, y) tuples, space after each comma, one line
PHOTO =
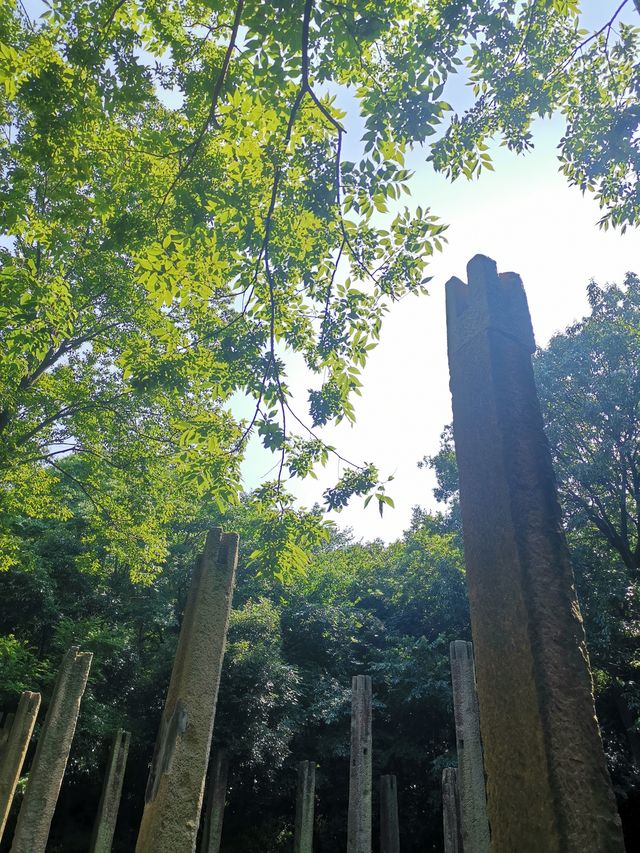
[(525, 216)]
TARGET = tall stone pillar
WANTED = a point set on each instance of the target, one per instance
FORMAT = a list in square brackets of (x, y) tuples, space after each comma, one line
[(303, 836), (389, 825), (215, 800), (105, 822), (360, 781), (173, 798), (52, 753), (13, 749), (451, 811), (470, 776), (547, 782)]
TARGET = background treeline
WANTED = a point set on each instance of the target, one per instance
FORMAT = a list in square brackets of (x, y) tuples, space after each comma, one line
[(296, 638)]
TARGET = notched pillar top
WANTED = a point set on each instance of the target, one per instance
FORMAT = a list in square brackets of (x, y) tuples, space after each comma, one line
[(221, 547), (489, 301)]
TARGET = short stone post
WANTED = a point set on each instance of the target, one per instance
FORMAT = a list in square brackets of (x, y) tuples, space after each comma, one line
[(389, 826), (215, 801), (547, 782), (360, 781), (173, 798), (305, 802), (14, 749), (105, 822), (451, 811), (52, 753), (470, 776)]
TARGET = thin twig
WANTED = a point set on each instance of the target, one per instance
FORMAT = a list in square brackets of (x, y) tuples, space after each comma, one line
[(211, 115)]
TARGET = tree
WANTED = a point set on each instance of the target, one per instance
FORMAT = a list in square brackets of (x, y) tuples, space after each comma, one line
[(182, 223), (594, 434)]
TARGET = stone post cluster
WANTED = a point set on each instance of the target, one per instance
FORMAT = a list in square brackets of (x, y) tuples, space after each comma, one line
[(177, 776), (52, 753), (547, 782)]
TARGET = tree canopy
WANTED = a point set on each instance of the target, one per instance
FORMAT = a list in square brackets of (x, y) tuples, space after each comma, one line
[(182, 222)]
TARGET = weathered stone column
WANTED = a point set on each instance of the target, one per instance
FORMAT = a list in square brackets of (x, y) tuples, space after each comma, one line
[(13, 749), (360, 781), (470, 776), (215, 800), (305, 801), (451, 811), (173, 798), (52, 753), (105, 822), (389, 826), (547, 782)]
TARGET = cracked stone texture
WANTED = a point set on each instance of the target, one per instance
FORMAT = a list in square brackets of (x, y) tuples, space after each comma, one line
[(360, 779), (52, 753), (175, 789), (547, 782), (470, 776), (14, 742), (107, 815)]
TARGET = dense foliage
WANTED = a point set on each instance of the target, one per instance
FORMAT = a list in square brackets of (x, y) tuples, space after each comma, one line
[(295, 641), (285, 693), (182, 223)]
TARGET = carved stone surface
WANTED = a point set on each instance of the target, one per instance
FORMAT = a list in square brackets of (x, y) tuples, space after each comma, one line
[(14, 743), (215, 801), (451, 811), (389, 825), (547, 782), (470, 776), (52, 753), (107, 816), (305, 801), (360, 781), (175, 788)]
